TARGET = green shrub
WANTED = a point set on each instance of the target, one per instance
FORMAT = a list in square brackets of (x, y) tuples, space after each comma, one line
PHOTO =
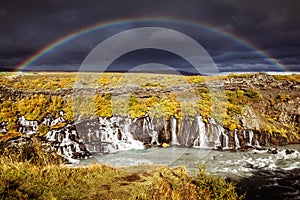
[(252, 94)]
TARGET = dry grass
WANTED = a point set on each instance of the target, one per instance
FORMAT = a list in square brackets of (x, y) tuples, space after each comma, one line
[(32, 173)]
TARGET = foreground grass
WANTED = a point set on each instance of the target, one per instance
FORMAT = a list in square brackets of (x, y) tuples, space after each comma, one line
[(26, 181), (24, 176)]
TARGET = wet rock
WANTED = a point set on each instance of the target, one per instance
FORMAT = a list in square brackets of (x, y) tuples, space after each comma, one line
[(260, 148), (249, 165), (289, 151), (273, 150), (249, 148), (219, 148)]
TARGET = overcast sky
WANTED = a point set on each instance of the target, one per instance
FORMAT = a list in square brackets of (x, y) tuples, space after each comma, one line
[(273, 26)]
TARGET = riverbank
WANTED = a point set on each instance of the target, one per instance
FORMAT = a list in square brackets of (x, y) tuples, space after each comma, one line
[(261, 174), (23, 176)]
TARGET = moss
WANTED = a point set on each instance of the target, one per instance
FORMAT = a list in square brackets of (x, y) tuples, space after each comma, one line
[(293, 77), (247, 75), (43, 129), (195, 79), (283, 97), (103, 105)]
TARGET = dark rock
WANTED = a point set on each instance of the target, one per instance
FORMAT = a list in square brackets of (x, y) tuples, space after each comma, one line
[(274, 150), (289, 151)]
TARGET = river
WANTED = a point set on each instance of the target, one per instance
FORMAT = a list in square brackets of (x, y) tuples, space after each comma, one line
[(260, 173)]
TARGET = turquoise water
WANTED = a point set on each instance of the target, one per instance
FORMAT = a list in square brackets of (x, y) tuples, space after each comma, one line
[(265, 171)]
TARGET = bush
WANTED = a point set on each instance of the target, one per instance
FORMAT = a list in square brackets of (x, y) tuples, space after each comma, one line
[(176, 184), (32, 151)]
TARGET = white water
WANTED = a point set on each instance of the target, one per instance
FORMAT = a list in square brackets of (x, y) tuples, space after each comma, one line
[(261, 174), (244, 133), (236, 140), (250, 133), (226, 141), (200, 141), (113, 140), (225, 163), (173, 123), (220, 132), (51, 135)]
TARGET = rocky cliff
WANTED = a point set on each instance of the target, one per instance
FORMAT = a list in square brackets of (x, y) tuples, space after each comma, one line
[(258, 110)]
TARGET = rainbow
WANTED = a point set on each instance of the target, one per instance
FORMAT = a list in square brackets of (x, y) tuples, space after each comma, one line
[(57, 43)]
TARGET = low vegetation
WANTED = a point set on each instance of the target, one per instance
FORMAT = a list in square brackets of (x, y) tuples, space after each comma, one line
[(32, 171)]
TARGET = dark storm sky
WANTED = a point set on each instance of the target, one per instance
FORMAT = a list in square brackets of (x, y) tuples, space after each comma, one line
[(273, 25)]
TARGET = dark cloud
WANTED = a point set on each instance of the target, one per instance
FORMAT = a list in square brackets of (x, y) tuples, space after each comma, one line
[(272, 25)]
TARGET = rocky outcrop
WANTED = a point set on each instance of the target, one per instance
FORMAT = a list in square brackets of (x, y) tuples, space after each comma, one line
[(279, 107)]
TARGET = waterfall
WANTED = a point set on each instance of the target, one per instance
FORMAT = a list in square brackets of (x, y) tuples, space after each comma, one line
[(236, 140), (219, 132), (51, 135), (147, 125), (244, 134), (118, 135), (97, 133), (77, 148), (200, 141), (154, 138), (89, 136), (226, 146), (126, 135), (69, 151), (250, 133), (173, 123), (66, 139), (148, 129), (256, 144)]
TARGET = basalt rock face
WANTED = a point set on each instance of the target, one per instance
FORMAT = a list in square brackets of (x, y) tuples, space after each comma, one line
[(280, 97), (107, 135), (97, 136), (279, 106)]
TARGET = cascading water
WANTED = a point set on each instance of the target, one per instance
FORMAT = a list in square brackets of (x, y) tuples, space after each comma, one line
[(244, 134), (226, 145), (250, 133), (200, 141), (148, 129), (173, 123), (147, 125), (107, 135), (236, 140), (115, 135), (51, 135), (256, 143), (219, 133)]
